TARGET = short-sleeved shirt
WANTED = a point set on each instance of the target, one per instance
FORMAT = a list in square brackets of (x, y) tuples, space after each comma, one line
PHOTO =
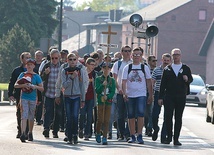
[(35, 80), (136, 80), (156, 75), (120, 71)]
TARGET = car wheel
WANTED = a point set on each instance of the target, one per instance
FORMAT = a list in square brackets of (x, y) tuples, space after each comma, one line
[(201, 105), (208, 119)]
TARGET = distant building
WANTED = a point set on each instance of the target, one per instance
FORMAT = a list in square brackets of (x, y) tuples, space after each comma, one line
[(181, 23), (207, 50)]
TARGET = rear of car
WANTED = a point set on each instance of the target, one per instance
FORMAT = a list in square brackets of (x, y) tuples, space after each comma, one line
[(198, 91)]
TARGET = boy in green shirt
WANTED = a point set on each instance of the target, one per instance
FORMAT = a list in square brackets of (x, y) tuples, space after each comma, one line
[(105, 88)]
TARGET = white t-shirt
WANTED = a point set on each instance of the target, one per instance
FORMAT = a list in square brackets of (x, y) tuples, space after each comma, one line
[(176, 68), (136, 81), (120, 71)]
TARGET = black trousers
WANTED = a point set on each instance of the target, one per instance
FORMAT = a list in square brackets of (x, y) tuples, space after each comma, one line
[(174, 105)]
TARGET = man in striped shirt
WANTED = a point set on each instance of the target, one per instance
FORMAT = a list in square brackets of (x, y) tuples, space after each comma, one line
[(156, 78)]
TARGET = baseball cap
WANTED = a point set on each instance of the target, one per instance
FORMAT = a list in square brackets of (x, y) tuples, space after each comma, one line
[(31, 61)]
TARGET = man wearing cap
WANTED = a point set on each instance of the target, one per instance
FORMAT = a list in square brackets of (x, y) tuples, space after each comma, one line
[(29, 82)]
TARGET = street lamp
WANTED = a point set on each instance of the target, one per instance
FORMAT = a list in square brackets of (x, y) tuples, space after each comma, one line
[(78, 28)]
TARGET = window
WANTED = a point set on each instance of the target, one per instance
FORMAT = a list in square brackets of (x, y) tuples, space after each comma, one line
[(202, 15), (211, 1), (173, 18)]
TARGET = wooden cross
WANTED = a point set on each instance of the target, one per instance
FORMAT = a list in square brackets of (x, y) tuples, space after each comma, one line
[(109, 33)]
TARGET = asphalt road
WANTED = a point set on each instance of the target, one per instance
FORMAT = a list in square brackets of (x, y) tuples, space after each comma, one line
[(197, 138)]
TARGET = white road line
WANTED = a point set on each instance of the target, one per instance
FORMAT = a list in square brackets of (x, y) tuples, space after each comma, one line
[(212, 150), (185, 129), (200, 141), (192, 134)]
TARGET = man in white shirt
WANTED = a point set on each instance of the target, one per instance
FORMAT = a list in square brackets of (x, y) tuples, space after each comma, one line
[(136, 79), (121, 105)]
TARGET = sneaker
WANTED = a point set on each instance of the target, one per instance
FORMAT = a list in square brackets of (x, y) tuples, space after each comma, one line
[(140, 139), (22, 138), (177, 143), (86, 137), (65, 139), (80, 133), (110, 135), (40, 122), (75, 139), (132, 139), (155, 135), (18, 135), (98, 138), (149, 134), (46, 133), (121, 138), (104, 141), (55, 135), (30, 137)]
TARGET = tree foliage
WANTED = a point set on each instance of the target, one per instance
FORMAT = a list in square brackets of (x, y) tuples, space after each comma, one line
[(106, 5), (12, 44), (35, 16)]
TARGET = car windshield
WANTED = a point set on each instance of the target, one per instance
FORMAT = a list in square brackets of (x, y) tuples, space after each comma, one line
[(197, 81)]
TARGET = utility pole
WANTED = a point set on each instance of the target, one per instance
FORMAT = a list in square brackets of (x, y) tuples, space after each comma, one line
[(60, 27)]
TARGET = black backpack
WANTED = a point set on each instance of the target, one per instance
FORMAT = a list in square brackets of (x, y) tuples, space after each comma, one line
[(142, 69)]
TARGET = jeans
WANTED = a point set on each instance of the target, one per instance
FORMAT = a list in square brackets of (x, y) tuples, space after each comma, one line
[(155, 116), (49, 112), (148, 116), (113, 116), (72, 107), (122, 115), (86, 116), (136, 106)]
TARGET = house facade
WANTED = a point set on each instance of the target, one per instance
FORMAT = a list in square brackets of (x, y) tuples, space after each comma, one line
[(182, 24)]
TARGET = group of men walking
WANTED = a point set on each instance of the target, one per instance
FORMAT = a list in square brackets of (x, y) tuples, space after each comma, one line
[(77, 94)]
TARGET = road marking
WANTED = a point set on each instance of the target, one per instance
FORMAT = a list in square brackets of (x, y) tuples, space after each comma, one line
[(212, 150), (200, 141), (192, 134)]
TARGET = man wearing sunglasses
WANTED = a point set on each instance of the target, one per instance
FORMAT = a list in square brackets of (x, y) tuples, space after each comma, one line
[(152, 63), (135, 83), (74, 94), (49, 76), (121, 104)]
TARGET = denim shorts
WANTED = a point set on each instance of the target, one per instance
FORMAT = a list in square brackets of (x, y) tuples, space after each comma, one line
[(28, 109), (136, 106)]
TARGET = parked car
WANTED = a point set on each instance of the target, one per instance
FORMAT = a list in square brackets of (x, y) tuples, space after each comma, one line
[(198, 91), (210, 104)]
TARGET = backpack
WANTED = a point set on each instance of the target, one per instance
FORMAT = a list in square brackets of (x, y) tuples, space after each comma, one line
[(142, 68), (69, 70), (119, 64)]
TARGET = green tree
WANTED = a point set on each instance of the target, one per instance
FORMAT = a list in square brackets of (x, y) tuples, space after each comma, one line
[(106, 5), (12, 44), (35, 16)]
